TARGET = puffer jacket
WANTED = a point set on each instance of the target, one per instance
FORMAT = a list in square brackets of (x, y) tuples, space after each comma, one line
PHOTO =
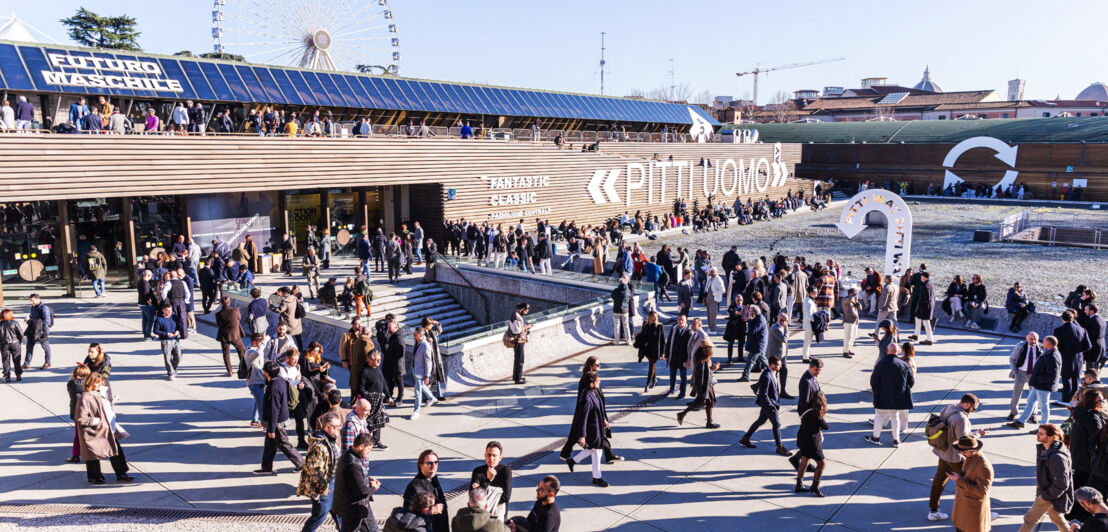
[(1083, 435), (1053, 476), (404, 520)]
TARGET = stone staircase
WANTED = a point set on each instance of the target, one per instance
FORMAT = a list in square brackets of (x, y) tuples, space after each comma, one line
[(411, 302)]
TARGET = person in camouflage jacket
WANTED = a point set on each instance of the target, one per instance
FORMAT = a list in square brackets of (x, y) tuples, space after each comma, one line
[(317, 477)]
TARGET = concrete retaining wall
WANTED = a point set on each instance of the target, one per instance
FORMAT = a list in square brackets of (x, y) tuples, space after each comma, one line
[(501, 291)]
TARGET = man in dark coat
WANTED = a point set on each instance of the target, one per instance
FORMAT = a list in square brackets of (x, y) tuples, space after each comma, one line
[(809, 388), (1043, 381), (228, 323), (730, 260), (684, 294), (892, 380), (590, 429), (1073, 341), (1094, 326), (916, 281), (756, 342), (209, 286), (354, 488), (275, 413), (924, 309), (39, 322), (393, 368), (371, 382), (1053, 479), (677, 354), (769, 399)]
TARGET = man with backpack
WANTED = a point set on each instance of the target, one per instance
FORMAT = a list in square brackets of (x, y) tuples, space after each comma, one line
[(97, 269), (363, 294), (942, 431)]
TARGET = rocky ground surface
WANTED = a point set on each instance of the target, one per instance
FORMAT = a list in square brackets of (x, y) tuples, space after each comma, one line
[(942, 238)]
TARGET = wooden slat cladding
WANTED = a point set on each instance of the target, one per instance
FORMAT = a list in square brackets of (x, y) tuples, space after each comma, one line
[(38, 167), (1040, 166)]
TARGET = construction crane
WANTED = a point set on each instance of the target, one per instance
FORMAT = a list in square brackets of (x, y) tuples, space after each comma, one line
[(759, 70)]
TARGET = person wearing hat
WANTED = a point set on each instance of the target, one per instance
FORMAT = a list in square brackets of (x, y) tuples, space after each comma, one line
[(971, 496), (950, 460)]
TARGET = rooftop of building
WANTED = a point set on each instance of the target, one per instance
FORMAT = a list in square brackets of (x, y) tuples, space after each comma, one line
[(1021, 130)]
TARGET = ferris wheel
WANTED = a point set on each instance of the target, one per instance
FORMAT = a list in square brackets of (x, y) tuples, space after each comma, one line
[(319, 34)]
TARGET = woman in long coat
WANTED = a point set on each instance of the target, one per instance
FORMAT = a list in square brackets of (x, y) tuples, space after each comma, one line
[(96, 432), (590, 429), (971, 497), (703, 384), (652, 346)]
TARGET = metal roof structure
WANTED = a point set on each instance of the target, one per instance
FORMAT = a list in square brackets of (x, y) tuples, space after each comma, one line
[(38, 68), (1019, 130)]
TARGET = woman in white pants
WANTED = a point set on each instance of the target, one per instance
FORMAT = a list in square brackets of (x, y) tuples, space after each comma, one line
[(590, 430)]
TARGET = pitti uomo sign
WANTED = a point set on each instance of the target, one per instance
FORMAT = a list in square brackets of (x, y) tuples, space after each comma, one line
[(108, 74)]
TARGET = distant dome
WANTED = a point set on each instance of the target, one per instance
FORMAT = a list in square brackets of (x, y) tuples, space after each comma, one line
[(1097, 91), (926, 84)]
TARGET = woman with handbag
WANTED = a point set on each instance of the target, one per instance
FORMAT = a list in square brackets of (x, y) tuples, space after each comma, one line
[(703, 385), (651, 342), (98, 434)]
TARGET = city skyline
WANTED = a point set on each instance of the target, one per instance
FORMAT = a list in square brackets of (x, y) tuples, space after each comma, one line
[(563, 51)]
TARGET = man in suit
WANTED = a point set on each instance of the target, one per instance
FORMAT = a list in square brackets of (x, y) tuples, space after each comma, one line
[(677, 354), (1073, 342), (769, 400), (779, 292), (809, 387), (1022, 361), (730, 260), (756, 341), (684, 294), (799, 280), (777, 345), (1094, 326), (228, 324), (697, 335), (392, 257), (1043, 381)]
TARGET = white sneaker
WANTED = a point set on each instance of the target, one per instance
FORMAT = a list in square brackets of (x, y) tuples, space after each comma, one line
[(937, 515), (415, 416), (872, 440)]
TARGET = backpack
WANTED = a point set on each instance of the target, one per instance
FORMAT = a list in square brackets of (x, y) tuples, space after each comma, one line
[(300, 311), (294, 396), (936, 431)]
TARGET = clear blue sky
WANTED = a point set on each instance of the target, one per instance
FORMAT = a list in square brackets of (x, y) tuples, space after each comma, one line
[(1056, 47)]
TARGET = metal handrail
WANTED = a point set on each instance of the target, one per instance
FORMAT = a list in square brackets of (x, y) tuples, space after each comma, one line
[(484, 298)]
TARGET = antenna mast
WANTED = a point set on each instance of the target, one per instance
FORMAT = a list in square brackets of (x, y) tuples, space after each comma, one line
[(672, 83), (602, 63)]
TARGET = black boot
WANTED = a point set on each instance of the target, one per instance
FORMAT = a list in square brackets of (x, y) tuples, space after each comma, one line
[(800, 487), (814, 490)]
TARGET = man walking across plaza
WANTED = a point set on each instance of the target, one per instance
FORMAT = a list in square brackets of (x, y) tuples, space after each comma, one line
[(808, 311), (228, 324), (97, 269), (757, 339), (806, 397), (714, 292), (1022, 363), (354, 489), (317, 478), (421, 371), (777, 345), (621, 307), (958, 424), (1095, 327), (769, 400), (1043, 381), (685, 293), (677, 354), (392, 257), (166, 329), (924, 310), (39, 322), (1053, 480), (892, 380), (1073, 342), (275, 413)]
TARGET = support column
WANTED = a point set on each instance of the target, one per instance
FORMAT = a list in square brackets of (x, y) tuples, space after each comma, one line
[(362, 215), (325, 210), (283, 211), (185, 217), (64, 249), (129, 242)]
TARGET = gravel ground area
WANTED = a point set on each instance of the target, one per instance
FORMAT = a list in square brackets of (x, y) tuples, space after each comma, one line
[(101, 523), (942, 238)]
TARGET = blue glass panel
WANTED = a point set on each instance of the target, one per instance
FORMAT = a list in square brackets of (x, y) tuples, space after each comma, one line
[(173, 71), (269, 85), (553, 103), (510, 97), (316, 88), (433, 97), (399, 97), (198, 80), (464, 99), (311, 94), (662, 113), (592, 110), (36, 63), (529, 99), (215, 79), (380, 92), (389, 92), (356, 88), (426, 102), (678, 113), (416, 102), (257, 93), (624, 107), (341, 96), (15, 75), (480, 106), (446, 99), (655, 113), (642, 112), (499, 101), (568, 107), (288, 88), (530, 109), (238, 88), (455, 103)]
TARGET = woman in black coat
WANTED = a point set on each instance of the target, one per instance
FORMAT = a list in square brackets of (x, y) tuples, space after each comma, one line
[(427, 481), (652, 346), (809, 443), (955, 296), (736, 328), (590, 429), (1088, 421)]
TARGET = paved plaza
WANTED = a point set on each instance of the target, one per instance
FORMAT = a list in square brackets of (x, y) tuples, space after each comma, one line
[(192, 448)]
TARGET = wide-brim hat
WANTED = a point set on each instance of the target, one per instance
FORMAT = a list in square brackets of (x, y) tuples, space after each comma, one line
[(968, 443)]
